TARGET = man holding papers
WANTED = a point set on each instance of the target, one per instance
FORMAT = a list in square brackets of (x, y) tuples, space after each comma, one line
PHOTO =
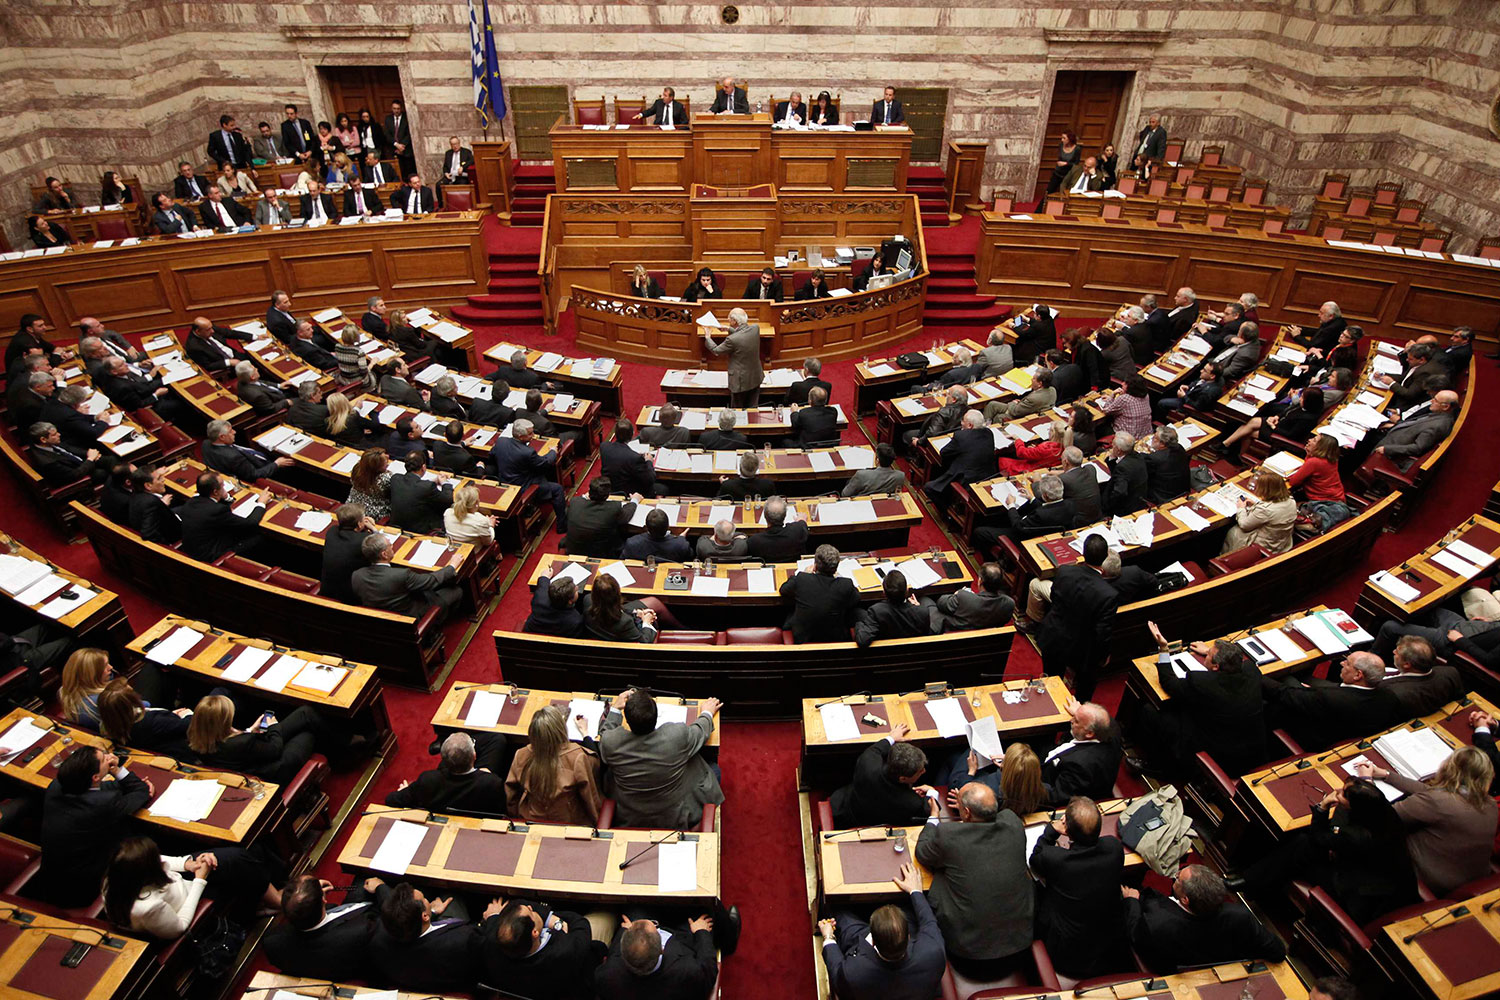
[(404, 591), (885, 789), (743, 348)]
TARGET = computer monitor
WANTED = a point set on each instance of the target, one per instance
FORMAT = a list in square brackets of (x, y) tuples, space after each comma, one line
[(903, 260), (881, 281)]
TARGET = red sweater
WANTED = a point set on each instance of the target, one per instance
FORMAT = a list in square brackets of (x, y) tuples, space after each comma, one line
[(1321, 477), (1030, 457)]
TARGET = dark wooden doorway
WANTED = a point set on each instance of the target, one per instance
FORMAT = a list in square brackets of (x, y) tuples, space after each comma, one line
[(355, 87), (1087, 103)]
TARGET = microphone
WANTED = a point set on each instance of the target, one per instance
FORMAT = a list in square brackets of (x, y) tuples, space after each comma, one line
[(1149, 982), (1276, 772), (890, 831), (843, 699), (1457, 911), (638, 854)]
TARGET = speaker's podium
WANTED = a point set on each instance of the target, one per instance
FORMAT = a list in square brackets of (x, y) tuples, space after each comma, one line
[(734, 221), (732, 150)]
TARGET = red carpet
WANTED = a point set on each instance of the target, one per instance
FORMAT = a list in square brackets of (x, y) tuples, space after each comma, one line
[(762, 863)]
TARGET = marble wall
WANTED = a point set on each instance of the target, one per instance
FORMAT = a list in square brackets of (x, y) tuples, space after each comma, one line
[(1380, 89)]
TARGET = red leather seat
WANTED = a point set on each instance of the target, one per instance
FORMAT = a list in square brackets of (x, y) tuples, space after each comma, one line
[(287, 179), (240, 566), (1023, 982), (458, 197), (706, 823), (1237, 560), (112, 229), (823, 816), (800, 280), (279, 577), (660, 277), (754, 637), (687, 637)]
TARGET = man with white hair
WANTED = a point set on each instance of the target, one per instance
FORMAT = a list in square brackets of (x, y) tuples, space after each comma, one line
[(1177, 321), (1047, 511), (669, 432), (1126, 490), (1319, 713), (263, 397), (461, 781), (965, 369), (1137, 332), (129, 390), (968, 457), (723, 437), (1168, 468), (730, 99), (743, 348), (997, 356), (244, 463), (1081, 484), (517, 463), (947, 419), (1087, 763), (1325, 336), (723, 542)]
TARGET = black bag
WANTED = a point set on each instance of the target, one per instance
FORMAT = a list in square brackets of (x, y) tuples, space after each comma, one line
[(219, 947), (914, 360), (1201, 477), (1174, 580), (1278, 368)]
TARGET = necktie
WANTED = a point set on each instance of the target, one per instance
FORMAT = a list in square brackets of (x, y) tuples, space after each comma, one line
[(229, 148), (297, 131), (272, 143), (318, 207), (193, 184), (359, 201), (379, 178), (887, 112), (71, 457), (252, 453), (669, 115), (224, 216), (220, 347)]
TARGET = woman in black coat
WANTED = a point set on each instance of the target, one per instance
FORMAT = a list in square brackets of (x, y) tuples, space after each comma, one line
[(705, 286), (1109, 166), (610, 619), (45, 235), (816, 287), (269, 749), (1068, 153), (642, 285), (125, 719)]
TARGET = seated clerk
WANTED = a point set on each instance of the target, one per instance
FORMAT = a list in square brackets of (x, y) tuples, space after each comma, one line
[(657, 541), (269, 749), (765, 285), (885, 789), (425, 946), (780, 542), (791, 111), (667, 110), (723, 437), (877, 266), (1197, 925), (747, 483), (816, 287), (457, 782), (552, 779), (557, 608), (886, 958), (823, 604), (901, 615), (705, 285), (320, 940)]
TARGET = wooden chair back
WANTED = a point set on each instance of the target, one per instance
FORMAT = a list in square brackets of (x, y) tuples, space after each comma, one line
[(588, 112)]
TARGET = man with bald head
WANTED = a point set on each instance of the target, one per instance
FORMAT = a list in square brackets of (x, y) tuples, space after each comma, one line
[(1088, 762), (1151, 144), (1415, 435), (1319, 713), (980, 891), (1079, 912), (730, 99), (649, 960), (208, 347), (968, 457), (114, 343)]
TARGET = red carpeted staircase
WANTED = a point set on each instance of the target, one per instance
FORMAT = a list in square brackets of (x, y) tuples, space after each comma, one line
[(514, 297), (952, 293), (534, 182), (932, 197)]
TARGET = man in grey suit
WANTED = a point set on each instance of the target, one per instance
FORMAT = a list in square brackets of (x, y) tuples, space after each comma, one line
[(263, 397), (743, 347), (1419, 433), (988, 607), (997, 356), (1241, 352), (980, 890), (113, 342), (404, 591), (658, 778), (1081, 485), (885, 478)]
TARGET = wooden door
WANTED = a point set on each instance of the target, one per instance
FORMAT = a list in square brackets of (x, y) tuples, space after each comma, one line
[(1086, 103), (355, 87)]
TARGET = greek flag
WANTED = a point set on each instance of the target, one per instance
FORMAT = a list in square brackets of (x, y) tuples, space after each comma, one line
[(489, 95)]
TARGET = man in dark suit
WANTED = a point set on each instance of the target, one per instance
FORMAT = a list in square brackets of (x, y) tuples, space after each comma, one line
[(317, 204), (83, 816), (1240, 353), (667, 110), (765, 286), (31, 334), (1198, 925), (627, 470), (1151, 143), (457, 163), (398, 130), (986, 606), (263, 397), (823, 604), (1079, 913), (668, 432), (597, 524), (414, 198), (297, 136), (30, 387), (378, 584), (1455, 357), (887, 110), (279, 317), (902, 615), (210, 527), (64, 410), (557, 608), (1129, 483), (643, 965), (1319, 713), (424, 947), (207, 346), (1168, 468), (729, 99), (57, 463), (244, 463), (882, 958), (187, 186), (537, 951), (342, 553), (1081, 485), (1088, 762), (171, 217), (456, 783), (308, 412), (515, 373), (395, 385), (791, 111), (1076, 631), (798, 391), (129, 390), (316, 941), (1219, 709), (229, 145), (1414, 385), (780, 542), (1324, 336), (1046, 512), (976, 865), (1423, 685), (417, 504), (375, 173), (657, 541), (360, 200), (748, 483), (885, 789), (306, 348), (517, 463), (723, 437), (1085, 176), (1411, 437), (450, 453), (968, 457), (1068, 379), (220, 213), (151, 513)]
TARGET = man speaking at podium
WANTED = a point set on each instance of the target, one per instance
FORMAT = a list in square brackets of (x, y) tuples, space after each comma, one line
[(729, 99)]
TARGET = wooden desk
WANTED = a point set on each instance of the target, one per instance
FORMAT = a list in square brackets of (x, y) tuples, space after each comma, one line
[(166, 281), (1222, 982), (906, 412), (276, 360), (478, 438), (33, 943), (881, 378), (1283, 795), (244, 809), (454, 334), (84, 224), (1085, 263), (795, 471), (1144, 207), (1459, 958), (129, 439), (895, 515), (1432, 581), (94, 615), (522, 704), (502, 856), (204, 393), (839, 850), (266, 984), (762, 422), (591, 378), (707, 387)]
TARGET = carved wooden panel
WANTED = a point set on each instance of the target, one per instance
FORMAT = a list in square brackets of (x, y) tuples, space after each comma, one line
[(1129, 271), (127, 296), (225, 284), (1361, 297)]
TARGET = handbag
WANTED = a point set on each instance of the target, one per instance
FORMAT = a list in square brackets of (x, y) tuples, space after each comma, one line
[(913, 360)]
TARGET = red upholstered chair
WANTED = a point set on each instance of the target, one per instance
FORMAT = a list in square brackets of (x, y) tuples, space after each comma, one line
[(1488, 248), (687, 637), (1359, 204), (1435, 244), (660, 277), (626, 108), (1004, 202), (1332, 232), (240, 566), (800, 280), (287, 179), (1174, 150), (1219, 192), (862, 265), (1410, 210), (760, 636), (279, 577), (458, 197), (1216, 220), (1384, 238), (1055, 207), (588, 112), (706, 824), (1237, 560), (112, 229), (1166, 216), (1273, 227), (1023, 982), (17, 859), (1387, 193), (1111, 209), (1126, 185), (1158, 187), (1254, 192), (1185, 174), (1195, 191), (1212, 156), (1334, 185)]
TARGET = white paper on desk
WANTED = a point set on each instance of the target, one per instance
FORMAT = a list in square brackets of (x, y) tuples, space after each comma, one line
[(116, 433), (170, 649), (838, 722), (1184, 662), (1415, 753), (1399, 589), (422, 421), (482, 437), (667, 712), (278, 674), (70, 599), (726, 461), (1255, 392), (247, 507), (1447, 559), (485, 709), (1282, 645), (42, 590), (273, 438), (244, 666), (918, 574), (1007, 494), (20, 737), (389, 414), (760, 581), (1386, 365), (1241, 405), (1316, 631), (619, 572), (948, 715), (17, 573), (882, 370), (1220, 504), (847, 567), (677, 866), (710, 586), (1159, 373), (428, 553), (1033, 837), (910, 407), (420, 317), (346, 463), (328, 314), (697, 420), (1283, 463), (1178, 567), (592, 711), (1391, 792), (821, 461), (701, 463), (1468, 553), (1020, 432), (187, 801), (668, 459), (984, 738), (314, 520), (321, 677), (399, 846), (577, 572), (857, 458)]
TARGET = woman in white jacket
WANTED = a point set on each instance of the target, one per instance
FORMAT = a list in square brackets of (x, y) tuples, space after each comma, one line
[(145, 891)]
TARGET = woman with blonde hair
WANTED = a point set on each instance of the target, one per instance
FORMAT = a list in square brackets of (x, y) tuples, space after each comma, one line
[(84, 678), (1450, 818), (643, 285), (413, 341), (269, 749), (1021, 780), (1265, 521), (370, 483), (340, 170), (551, 779), (344, 424), (464, 523), (353, 364)]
